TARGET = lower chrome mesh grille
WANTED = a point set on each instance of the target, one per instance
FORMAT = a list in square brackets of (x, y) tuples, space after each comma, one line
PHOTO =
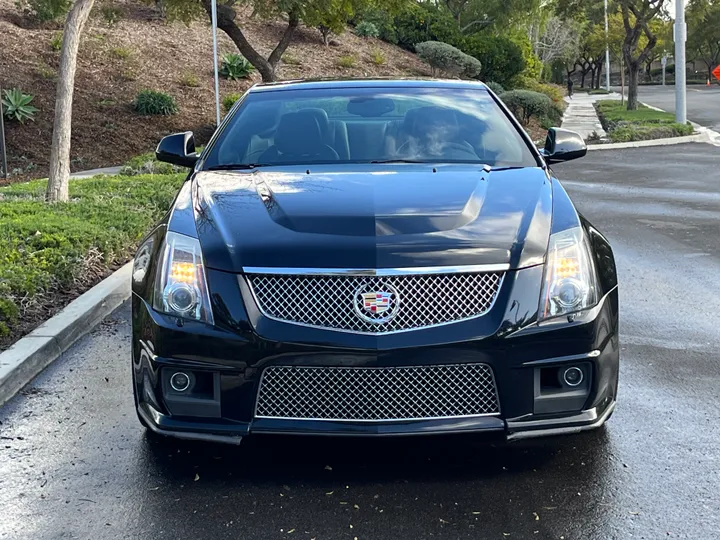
[(376, 394), (375, 304)]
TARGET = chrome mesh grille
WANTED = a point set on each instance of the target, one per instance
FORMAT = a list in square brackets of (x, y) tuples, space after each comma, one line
[(414, 301), (376, 394)]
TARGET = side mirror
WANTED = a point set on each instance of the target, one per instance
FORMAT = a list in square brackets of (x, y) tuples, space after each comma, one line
[(178, 149), (563, 145)]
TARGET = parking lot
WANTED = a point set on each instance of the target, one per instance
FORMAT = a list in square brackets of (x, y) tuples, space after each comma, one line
[(75, 463)]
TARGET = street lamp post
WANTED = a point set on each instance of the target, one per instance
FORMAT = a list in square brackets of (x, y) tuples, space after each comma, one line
[(215, 62), (607, 50), (3, 156), (680, 37)]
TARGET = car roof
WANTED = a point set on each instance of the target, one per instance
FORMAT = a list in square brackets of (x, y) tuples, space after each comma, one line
[(314, 84)]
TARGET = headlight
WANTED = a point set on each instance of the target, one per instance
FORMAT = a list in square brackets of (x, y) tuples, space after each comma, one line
[(181, 288), (569, 284)]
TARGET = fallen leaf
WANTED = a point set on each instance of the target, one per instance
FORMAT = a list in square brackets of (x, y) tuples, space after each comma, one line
[(476, 513), (328, 468), (537, 518), (634, 513), (291, 531), (356, 507), (197, 477), (329, 493)]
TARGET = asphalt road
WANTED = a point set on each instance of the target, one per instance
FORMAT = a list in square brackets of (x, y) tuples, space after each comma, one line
[(703, 103), (74, 462)]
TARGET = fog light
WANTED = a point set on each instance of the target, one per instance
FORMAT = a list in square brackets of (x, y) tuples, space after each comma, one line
[(573, 376), (180, 381)]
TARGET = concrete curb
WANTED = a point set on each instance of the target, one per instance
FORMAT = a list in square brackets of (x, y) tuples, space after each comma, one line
[(28, 357), (699, 138)]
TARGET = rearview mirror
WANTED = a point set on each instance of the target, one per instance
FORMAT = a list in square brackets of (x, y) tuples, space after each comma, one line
[(563, 145), (178, 149)]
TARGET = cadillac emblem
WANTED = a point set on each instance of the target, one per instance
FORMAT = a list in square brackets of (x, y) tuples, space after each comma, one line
[(376, 306)]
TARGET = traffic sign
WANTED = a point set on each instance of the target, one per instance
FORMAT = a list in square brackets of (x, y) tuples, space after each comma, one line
[(716, 72)]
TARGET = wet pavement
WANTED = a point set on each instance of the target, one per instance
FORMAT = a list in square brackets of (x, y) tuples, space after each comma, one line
[(75, 463)]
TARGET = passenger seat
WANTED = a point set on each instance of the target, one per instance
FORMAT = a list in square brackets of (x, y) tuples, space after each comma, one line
[(334, 132)]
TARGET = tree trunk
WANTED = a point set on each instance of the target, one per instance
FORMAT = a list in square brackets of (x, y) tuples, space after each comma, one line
[(633, 75), (266, 67), (592, 77), (582, 79), (57, 189)]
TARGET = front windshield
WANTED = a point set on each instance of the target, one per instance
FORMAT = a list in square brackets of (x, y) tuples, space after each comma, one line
[(362, 125)]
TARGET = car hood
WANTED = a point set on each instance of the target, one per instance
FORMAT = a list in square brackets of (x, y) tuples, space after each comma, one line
[(369, 217)]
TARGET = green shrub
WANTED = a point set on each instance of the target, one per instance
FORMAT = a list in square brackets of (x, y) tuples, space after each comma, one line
[(501, 58), (383, 21), (188, 78), (526, 104), (495, 87), (446, 58), (235, 67), (229, 100), (346, 61), (420, 22), (147, 164), (112, 14), (644, 132), (367, 29), (290, 60), (553, 91), (16, 106), (153, 102), (45, 10), (377, 56), (62, 248), (56, 41), (123, 53)]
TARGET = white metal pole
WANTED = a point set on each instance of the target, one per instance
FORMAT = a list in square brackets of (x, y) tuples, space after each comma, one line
[(215, 62), (4, 173), (607, 50), (680, 37)]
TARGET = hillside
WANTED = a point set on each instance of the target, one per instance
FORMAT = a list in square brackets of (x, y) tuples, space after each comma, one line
[(141, 51)]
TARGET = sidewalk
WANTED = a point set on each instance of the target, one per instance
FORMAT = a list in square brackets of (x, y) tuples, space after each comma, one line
[(580, 115)]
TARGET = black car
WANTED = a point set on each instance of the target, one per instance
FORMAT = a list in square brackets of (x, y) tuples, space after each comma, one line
[(373, 257)]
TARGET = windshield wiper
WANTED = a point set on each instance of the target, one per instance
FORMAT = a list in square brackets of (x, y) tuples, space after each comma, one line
[(237, 166), (398, 161)]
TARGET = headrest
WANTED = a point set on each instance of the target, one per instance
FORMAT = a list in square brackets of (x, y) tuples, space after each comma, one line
[(298, 133), (321, 116)]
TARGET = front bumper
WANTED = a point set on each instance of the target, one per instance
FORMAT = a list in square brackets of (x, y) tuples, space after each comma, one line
[(233, 355)]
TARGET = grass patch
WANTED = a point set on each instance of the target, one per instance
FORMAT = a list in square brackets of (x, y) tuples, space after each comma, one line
[(290, 60), (49, 253), (377, 56), (346, 61), (122, 53), (598, 92), (640, 125)]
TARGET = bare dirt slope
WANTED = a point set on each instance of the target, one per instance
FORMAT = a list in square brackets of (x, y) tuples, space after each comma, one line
[(141, 51)]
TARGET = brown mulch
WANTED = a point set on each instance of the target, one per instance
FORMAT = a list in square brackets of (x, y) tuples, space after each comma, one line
[(106, 130)]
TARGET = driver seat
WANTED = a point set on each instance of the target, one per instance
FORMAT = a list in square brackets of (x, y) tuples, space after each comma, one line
[(298, 138)]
